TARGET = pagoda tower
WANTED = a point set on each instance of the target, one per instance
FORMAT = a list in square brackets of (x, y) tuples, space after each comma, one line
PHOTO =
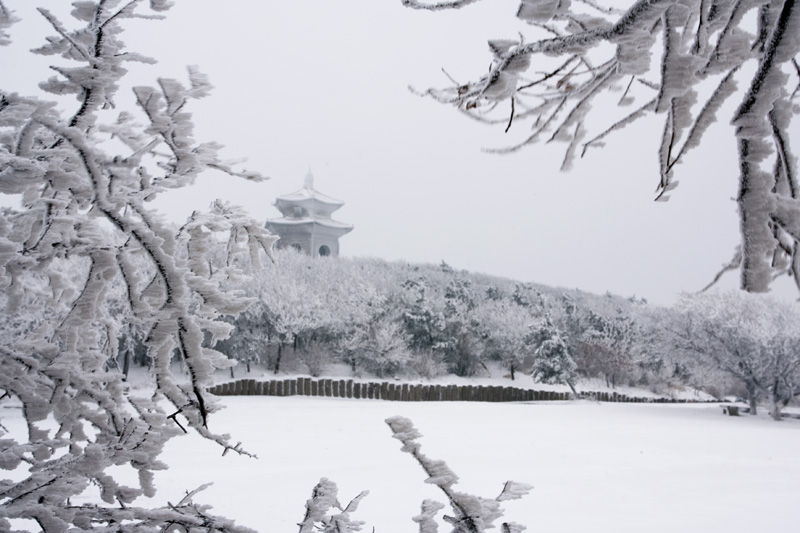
[(306, 224)]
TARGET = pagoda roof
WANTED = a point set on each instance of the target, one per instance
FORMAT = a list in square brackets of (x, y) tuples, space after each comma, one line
[(308, 194), (300, 221)]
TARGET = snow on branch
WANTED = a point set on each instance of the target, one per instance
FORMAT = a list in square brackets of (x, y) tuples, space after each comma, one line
[(472, 514), (695, 51), (7, 19), (320, 510), (91, 274), (438, 6)]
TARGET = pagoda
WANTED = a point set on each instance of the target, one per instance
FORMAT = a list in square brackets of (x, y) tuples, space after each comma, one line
[(306, 224)]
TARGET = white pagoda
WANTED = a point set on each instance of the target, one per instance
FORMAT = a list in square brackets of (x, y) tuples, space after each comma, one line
[(306, 224)]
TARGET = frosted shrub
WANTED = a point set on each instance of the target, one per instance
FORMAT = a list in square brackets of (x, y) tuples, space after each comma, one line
[(427, 364), (316, 357)]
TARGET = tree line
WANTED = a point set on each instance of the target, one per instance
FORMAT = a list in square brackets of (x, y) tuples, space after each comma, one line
[(400, 320)]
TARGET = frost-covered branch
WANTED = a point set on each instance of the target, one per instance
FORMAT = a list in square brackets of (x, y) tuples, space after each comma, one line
[(438, 6), (694, 50), (472, 514), (85, 265), (7, 19), (321, 509)]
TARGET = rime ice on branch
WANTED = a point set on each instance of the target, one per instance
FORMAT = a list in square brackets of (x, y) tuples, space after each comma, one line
[(84, 264), (575, 53), (472, 514)]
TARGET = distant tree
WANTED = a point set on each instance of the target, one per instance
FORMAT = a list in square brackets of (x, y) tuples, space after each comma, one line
[(579, 53), (504, 327), (460, 349), (290, 309), (82, 257), (606, 347), (753, 338), (378, 346), (422, 318), (552, 361)]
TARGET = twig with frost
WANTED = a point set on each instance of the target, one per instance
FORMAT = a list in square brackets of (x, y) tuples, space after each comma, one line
[(472, 514), (318, 510)]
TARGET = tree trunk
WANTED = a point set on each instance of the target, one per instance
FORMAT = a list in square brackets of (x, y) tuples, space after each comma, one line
[(751, 398), (278, 358), (775, 407), (126, 363), (512, 371), (572, 388)]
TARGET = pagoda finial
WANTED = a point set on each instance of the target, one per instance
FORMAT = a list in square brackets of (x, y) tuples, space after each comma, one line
[(309, 181)]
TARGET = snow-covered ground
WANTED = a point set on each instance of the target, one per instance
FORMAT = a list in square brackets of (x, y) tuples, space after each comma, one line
[(595, 467)]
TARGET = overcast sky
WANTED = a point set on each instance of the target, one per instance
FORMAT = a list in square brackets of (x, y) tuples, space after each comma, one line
[(323, 84)]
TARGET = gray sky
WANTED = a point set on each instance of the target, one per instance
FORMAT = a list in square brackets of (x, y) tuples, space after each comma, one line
[(321, 84)]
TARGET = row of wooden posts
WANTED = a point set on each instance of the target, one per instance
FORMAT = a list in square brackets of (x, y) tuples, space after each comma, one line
[(409, 392)]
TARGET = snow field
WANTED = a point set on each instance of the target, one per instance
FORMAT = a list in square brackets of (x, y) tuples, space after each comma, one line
[(594, 467)]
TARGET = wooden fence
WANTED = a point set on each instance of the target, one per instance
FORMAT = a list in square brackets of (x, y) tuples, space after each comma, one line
[(408, 392)]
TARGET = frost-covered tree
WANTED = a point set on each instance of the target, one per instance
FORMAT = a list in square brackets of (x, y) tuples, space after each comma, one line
[(504, 328), (422, 317), (753, 338), (460, 349), (379, 347), (680, 59), (84, 257), (288, 306), (552, 361), (606, 347)]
